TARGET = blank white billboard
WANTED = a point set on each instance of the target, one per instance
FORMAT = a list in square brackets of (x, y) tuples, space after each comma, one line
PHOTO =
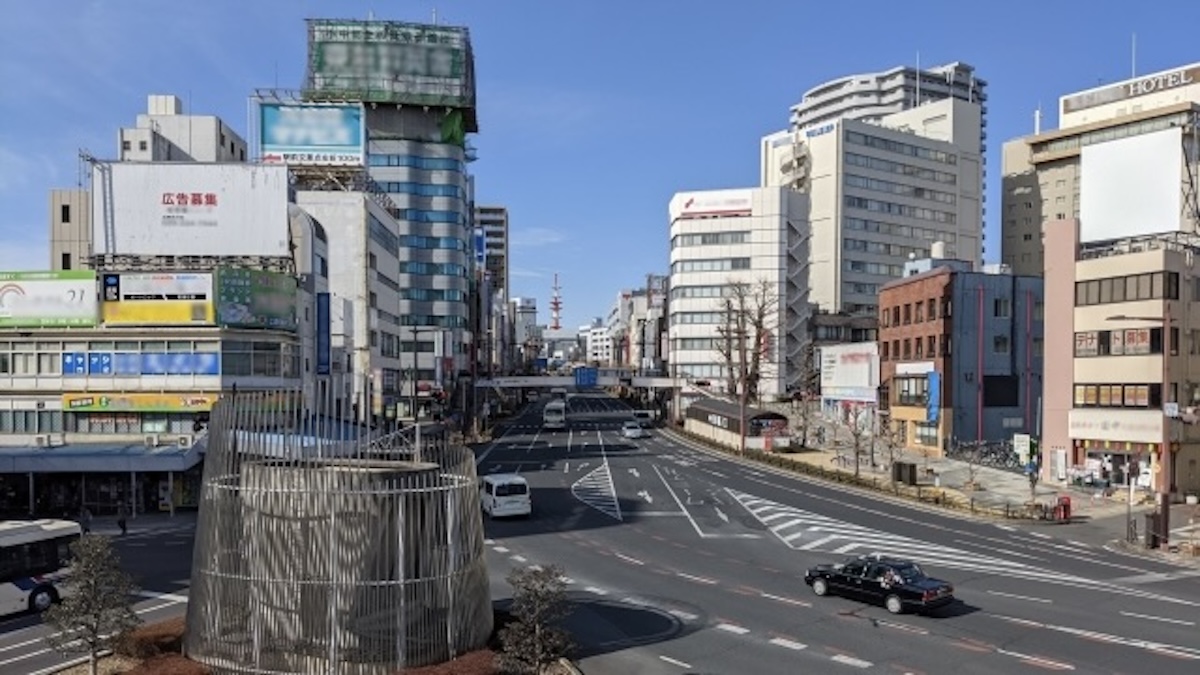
[(172, 208), (1131, 186)]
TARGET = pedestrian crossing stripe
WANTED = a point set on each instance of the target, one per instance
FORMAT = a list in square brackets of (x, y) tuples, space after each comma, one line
[(596, 489)]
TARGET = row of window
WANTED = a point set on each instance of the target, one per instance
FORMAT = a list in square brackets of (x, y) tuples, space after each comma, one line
[(877, 164), (1118, 395), (1113, 133), (433, 321), (883, 249), (381, 235), (418, 241), (423, 189), (917, 212), (901, 189), (696, 344), (710, 239), (416, 162), (881, 269), (431, 269), (431, 216), (1155, 286), (900, 148), (860, 288), (151, 346), (1124, 342), (915, 312), (710, 265), (682, 318), (681, 292), (914, 348), (906, 231), (433, 294), (699, 370)]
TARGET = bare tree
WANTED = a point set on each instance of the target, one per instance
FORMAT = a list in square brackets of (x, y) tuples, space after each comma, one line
[(748, 310), (805, 401), (889, 435), (533, 640), (97, 611), (972, 454), (854, 419)]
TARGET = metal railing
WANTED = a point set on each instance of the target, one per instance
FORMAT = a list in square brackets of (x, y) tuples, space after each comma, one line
[(325, 547)]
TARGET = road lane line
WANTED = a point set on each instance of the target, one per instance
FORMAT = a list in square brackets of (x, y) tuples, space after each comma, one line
[(1163, 619), (1021, 597), (1037, 660), (1039, 535), (790, 601), (676, 662), (151, 595), (627, 559), (1078, 543), (904, 627), (788, 644), (731, 628), (851, 661), (678, 502), (699, 580), (682, 615), (518, 558), (596, 591), (499, 549)]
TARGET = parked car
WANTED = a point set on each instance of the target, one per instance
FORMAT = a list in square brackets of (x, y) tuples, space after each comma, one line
[(897, 584), (633, 429)]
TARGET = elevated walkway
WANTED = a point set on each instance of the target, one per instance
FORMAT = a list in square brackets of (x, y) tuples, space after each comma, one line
[(567, 381)]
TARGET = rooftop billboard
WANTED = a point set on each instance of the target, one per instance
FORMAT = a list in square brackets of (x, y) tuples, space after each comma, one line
[(157, 299), (47, 299), (311, 135), (389, 62), (255, 299), (173, 208)]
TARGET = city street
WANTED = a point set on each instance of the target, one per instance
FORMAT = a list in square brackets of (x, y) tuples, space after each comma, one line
[(684, 561), (159, 560)]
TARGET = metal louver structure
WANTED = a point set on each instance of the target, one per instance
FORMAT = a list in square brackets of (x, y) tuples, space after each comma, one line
[(325, 547)]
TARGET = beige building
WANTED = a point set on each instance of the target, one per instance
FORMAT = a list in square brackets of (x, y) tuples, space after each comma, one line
[(1042, 172), (1112, 400)]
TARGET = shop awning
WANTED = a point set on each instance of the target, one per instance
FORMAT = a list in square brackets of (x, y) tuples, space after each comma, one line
[(97, 458)]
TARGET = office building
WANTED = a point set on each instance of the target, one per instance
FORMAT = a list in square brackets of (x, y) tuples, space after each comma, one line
[(880, 193), (753, 236), (1043, 174), (493, 222), (960, 353)]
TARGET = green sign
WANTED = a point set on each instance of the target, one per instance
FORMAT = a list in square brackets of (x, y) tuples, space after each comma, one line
[(255, 299), (48, 299)]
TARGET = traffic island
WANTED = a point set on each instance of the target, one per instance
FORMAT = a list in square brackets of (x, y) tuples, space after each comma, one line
[(824, 466)]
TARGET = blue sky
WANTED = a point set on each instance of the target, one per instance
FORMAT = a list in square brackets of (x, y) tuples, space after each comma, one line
[(592, 113)]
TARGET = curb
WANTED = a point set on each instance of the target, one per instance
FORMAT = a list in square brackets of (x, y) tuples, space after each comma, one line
[(73, 663), (569, 667)]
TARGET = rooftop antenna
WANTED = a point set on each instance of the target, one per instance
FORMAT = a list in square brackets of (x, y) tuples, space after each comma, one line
[(435, 16), (918, 101), (1133, 57), (556, 305)]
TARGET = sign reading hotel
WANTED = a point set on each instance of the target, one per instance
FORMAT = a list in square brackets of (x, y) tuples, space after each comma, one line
[(1141, 86)]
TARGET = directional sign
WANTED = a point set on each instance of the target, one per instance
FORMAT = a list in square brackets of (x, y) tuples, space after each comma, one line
[(586, 378)]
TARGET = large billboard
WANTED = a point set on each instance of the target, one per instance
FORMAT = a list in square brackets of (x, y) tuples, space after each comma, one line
[(255, 299), (1131, 187), (46, 299), (173, 208), (712, 203), (157, 299), (850, 372), (389, 62), (311, 135), (148, 402)]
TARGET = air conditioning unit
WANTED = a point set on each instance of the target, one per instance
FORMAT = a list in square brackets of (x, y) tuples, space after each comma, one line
[(151, 440), (42, 440), (185, 441)]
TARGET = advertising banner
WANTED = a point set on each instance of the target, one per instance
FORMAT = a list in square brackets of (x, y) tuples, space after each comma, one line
[(157, 299), (184, 209), (47, 299), (147, 402), (311, 135), (933, 402), (324, 337), (255, 299)]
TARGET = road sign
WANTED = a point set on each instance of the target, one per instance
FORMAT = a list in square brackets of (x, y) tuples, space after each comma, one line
[(586, 377)]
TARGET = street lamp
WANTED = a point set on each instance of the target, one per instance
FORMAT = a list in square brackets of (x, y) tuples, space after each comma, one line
[(1165, 462)]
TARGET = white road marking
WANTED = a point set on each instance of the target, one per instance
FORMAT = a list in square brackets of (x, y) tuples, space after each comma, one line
[(596, 591), (1007, 528), (1020, 597), (721, 515), (676, 662), (499, 549), (671, 490), (1163, 619), (904, 627), (730, 628), (789, 644), (645, 494), (518, 558), (1057, 665), (699, 580), (1078, 543), (790, 601), (627, 559), (682, 615), (151, 595), (489, 542), (634, 472), (1173, 650), (851, 661), (1039, 535)]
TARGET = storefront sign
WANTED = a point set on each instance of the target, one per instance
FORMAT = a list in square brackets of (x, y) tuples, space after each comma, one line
[(150, 402)]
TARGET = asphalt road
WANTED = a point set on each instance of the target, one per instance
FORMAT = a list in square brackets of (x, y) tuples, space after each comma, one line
[(685, 562), (160, 562)]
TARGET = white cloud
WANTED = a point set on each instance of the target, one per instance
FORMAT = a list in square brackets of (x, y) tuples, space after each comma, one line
[(530, 237)]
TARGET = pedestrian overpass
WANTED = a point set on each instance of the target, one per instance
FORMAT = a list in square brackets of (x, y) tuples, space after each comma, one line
[(568, 381)]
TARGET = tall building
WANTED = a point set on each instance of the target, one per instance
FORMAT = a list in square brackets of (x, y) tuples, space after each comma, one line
[(960, 353), (880, 193), (870, 97), (414, 85), (164, 134), (493, 221), (1142, 118), (752, 236)]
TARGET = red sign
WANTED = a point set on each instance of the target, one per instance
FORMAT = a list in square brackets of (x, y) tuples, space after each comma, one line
[(189, 199)]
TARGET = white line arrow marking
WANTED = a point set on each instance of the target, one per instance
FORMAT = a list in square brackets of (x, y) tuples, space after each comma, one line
[(721, 515)]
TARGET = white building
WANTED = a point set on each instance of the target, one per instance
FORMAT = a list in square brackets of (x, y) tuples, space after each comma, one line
[(881, 192), (599, 345), (493, 221), (747, 235), (166, 134)]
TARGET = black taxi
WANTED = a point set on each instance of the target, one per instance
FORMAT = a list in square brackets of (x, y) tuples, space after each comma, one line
[(897, 584)]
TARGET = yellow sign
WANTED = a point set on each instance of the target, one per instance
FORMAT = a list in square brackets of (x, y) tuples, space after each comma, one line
[(149, 402), (158, 313)]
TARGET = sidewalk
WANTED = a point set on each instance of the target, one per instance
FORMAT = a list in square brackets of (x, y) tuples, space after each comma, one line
[(146, 523)]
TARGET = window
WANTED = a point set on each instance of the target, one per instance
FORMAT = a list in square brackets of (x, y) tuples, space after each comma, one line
[(66, 261), (1118, 395), (918, 312), (883, 351), (932, 309), (126, 146), (907, 314), (920, 348), (883, 318), (64, 213), (911, 391), (1001, 391), (1001, 308), (142, 146), (931, 345), (1000, 344), (927, 434), (907, 348), (1027, 237), (1156, 286)]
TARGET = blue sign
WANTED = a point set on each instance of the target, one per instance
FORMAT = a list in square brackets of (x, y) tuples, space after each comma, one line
[(324, 339), (813, 132), (127, 363), (100, 363), (587, 377), (206, 363), (933, 399), (480, 247), (308, 134), (75, 364)]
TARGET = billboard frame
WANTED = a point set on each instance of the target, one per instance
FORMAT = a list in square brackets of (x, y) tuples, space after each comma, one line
[(311, 154), (82, 291)]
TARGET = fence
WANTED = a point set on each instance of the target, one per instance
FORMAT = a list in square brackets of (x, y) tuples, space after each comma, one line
[(325, 547)]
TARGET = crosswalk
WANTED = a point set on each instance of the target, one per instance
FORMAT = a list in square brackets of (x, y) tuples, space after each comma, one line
[(596, 489)]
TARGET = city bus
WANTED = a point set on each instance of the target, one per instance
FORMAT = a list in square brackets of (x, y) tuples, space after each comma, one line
[(34, 562)]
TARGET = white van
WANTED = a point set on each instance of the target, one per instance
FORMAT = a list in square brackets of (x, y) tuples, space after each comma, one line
[(503, 495)]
